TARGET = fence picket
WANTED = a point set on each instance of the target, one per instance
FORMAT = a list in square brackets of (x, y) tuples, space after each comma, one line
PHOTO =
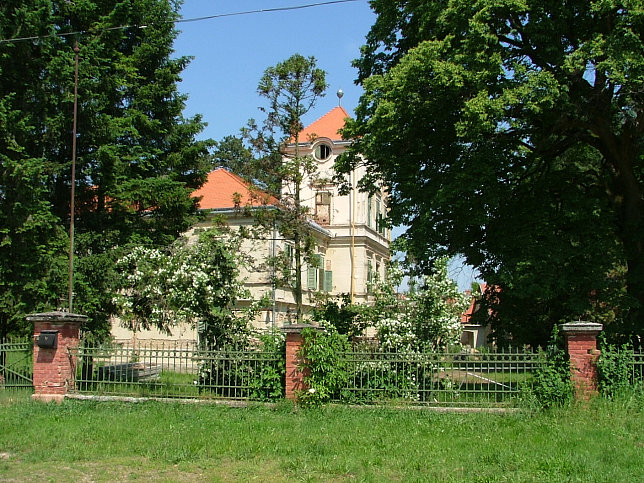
[(16, 364)]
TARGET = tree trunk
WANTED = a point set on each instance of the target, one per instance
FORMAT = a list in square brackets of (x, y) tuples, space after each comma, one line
[(629, 206), (298, 278)]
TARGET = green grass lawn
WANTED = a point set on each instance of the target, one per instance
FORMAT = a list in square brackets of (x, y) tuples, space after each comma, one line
[(109, 441)]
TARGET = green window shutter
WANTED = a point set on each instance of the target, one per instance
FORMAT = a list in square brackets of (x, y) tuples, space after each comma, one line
[(315, 273), (311, 278), (369, 201), (328, 281)]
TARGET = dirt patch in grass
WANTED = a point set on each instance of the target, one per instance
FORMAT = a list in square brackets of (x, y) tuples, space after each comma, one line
[(142, 469)]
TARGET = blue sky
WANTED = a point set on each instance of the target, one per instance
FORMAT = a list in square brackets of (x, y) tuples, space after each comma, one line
[(231, 54)]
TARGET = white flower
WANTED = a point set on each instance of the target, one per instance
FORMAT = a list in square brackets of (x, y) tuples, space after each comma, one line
[(312, 390)]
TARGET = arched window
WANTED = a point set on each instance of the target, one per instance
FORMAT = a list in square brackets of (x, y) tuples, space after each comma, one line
[(322, 152)]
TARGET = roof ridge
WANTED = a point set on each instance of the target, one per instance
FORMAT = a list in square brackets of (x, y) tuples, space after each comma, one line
[(326, 114), (234, 176), (328, 125)]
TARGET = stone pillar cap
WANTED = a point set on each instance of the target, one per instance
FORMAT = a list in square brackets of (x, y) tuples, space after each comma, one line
[(56, 316), (582, 326), (295, 328)]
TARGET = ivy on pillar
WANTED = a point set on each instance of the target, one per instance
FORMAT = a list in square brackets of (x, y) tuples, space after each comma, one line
[(581, 345), (294, 374), (54, 364)]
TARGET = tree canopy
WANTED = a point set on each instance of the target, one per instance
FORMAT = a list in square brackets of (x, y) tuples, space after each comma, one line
[(510, 132), (137, 157), (291, 89), (243, 156)]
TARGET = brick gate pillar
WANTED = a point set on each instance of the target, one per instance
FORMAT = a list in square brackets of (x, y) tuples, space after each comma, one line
[(581, 345), (294, 375), (54, 364)]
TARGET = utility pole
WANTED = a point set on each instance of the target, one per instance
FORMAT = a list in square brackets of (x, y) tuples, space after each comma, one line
[(73, 183)]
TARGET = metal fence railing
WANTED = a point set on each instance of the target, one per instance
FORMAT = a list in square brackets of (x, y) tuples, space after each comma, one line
[(637, 375), (180, 370), (175, 369), (16, 364), (450, 379)]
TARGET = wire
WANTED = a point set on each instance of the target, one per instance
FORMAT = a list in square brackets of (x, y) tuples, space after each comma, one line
[(181, 20)]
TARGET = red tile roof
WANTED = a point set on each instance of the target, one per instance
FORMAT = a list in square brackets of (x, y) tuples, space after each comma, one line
[(222, 187), (326, 127), (474, 306)]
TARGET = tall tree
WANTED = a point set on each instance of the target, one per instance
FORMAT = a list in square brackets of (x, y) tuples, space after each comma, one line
[(510, 132), (137, 158), (33, 244), (291, 88)]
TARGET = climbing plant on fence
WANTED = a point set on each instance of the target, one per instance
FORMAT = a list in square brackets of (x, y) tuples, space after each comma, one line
[(336, 371), (619, 369), (552, 385), (324, 366), (254, 371)]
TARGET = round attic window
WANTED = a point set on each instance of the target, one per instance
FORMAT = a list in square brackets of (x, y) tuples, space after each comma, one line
[(322, 152)]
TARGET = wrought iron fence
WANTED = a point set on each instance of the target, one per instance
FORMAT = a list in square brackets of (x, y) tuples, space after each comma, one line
[(638, 367), (175, 370), (16, 364), (180, 370), (448, 379)]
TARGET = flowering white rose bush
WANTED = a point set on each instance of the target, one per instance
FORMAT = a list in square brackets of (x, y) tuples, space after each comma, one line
[(140, 298), (413, 326), (395, 334), (196, 283), (427, 317), (436, 307), (205, 286)]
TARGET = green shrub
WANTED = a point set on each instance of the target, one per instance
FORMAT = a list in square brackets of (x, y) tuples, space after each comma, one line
[(324, 366), (269, 382), (551, 386), (615, 373), (339, 314)]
